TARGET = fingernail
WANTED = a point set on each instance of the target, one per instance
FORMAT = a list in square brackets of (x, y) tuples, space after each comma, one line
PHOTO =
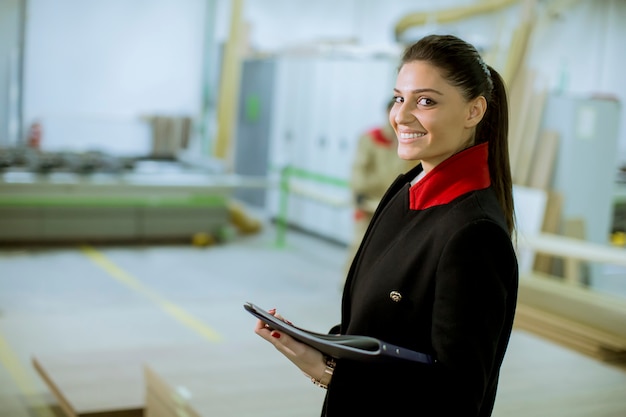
[(275, 334), (272, 311), (288, 322)]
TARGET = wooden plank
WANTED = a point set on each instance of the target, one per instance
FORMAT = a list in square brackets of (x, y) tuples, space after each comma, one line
[(521, 92), (528, 136), (606, 314), (573, 316), (546, 263), (156, 408), (229, 86), (552, 216), (568, 333), (163, 400), (567, 247), (516, 58), (517, 54), (540, 175), (211, 388), (452, 14), (108, 383), (64, 404), (552, 328), (99, 384), (572, 267)]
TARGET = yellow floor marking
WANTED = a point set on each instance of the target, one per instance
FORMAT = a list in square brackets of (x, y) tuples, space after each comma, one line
[(133, 283), (21, 377)]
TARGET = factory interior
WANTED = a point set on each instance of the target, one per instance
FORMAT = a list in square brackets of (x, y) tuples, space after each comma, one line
[(164, 162)]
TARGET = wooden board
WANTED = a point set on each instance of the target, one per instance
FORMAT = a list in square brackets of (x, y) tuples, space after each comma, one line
[(568, 247), (527, 134), (575, 316), (520, 95), (567, 333), (103, 384), (546, 263), (540, 175), (110, 383), (237, 382)]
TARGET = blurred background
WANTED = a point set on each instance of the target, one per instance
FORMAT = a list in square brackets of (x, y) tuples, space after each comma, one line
[(188, 147)]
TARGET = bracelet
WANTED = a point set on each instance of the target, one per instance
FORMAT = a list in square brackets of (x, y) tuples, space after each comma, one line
[(324, 381)]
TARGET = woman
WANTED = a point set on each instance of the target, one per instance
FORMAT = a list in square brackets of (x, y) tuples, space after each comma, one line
[(436, 271)]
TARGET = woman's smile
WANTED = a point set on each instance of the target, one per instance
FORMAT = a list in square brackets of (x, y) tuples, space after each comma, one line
[(409, 137)]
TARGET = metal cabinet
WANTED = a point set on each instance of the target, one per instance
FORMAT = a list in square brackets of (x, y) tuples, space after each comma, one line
[(319, 106)]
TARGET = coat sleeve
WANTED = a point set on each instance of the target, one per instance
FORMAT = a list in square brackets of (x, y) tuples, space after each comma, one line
[(472, 317)]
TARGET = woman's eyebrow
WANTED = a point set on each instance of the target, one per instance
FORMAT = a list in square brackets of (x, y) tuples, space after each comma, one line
[(422, 90)]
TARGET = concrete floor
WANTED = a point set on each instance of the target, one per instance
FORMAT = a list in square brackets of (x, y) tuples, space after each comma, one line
[(77, 300)]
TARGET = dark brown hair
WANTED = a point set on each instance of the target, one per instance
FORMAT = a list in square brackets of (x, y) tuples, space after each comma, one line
[(463, 67)]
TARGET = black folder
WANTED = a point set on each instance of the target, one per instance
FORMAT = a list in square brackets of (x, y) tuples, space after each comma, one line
[(361, 348)]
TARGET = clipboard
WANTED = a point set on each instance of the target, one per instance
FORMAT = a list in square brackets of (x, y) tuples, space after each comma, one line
[(354, 347)]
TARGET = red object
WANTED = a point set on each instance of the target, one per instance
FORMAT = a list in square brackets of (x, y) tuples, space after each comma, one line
[(34, 136), (461, 173), (359, 214), (379, 137)]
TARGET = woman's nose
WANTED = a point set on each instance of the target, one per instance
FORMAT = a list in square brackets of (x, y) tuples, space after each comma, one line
[(403, 114)]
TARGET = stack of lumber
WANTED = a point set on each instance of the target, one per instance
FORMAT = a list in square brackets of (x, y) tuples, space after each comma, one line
[(95, 384), (569, 313), (577, 317)]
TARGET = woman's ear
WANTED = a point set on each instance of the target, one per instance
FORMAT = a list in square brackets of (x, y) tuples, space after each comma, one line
[(477, 109)]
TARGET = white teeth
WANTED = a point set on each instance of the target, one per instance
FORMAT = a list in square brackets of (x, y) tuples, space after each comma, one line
[(411, 135)]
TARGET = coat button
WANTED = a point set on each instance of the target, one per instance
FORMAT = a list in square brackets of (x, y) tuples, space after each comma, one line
[(395, 296)]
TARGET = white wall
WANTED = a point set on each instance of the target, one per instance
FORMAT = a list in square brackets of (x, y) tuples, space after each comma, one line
[(94, 67)]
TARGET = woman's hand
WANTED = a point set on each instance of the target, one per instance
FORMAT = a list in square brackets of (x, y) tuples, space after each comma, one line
[(309, 360)]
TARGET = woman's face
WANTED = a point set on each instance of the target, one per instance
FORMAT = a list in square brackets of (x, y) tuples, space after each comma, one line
[(431, 118)]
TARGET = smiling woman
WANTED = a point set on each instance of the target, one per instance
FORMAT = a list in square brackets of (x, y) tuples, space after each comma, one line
[(436, 271), (431, 118)]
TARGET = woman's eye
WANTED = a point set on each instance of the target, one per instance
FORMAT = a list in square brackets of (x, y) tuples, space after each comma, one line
[(398, 99), (424, 101)]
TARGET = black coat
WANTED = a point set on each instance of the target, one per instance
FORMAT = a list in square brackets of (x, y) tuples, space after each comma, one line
[(444, 246)]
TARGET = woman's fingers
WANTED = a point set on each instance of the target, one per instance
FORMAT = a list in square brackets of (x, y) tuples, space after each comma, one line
[(278, 316), (262, 329), (304, 357), (260, 326)]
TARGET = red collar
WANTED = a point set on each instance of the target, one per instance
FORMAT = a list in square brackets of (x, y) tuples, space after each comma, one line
[(461, 173)]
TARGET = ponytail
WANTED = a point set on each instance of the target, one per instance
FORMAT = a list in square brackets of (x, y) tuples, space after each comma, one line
[(494, 129)]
